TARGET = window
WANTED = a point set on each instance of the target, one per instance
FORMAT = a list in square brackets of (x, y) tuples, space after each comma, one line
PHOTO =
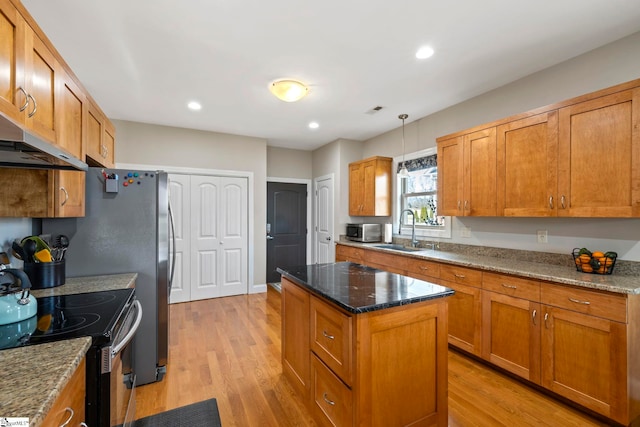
[(419, 194)]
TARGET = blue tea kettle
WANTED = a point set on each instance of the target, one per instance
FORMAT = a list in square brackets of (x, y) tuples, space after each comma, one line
[(16, 302)]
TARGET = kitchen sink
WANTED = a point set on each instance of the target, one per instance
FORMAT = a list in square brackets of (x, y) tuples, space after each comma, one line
[(398, 248)]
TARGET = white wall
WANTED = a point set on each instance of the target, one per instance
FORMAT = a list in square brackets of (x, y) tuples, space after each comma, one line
[(609, 65), (139, 143)]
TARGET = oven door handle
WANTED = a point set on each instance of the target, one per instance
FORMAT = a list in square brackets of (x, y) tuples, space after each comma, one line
[(117, 348)]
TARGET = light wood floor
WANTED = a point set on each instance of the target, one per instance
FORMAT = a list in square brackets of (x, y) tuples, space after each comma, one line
[(229, 348)]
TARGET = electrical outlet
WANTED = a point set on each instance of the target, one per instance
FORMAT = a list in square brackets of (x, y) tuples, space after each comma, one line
[(542, 236), (465, 232)]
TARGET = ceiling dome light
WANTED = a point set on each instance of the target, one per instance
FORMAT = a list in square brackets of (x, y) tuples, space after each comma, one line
[(424, 52), (314, 125), (288, 90), (194, 105)]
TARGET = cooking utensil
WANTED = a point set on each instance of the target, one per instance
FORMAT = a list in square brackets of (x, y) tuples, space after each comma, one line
[(30, 247), (18, 251), (43, 255), (62, 241)]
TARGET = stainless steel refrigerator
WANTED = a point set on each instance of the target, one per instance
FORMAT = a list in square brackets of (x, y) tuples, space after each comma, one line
[(126, 229)]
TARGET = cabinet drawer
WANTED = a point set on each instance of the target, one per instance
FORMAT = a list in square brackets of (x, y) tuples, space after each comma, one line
[(331, 338), (423, 267), (71, 398), (348, 253), (397, 262), (601, 304), (513, 286), (331, 399), (467, 276)]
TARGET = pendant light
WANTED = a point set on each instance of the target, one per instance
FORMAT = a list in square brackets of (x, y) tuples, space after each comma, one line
[(403, 173)]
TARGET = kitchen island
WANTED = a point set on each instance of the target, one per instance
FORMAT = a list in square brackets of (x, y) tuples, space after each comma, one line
[(365, 347)]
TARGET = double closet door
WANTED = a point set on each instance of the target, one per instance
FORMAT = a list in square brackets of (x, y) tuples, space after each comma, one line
[(211, 236)]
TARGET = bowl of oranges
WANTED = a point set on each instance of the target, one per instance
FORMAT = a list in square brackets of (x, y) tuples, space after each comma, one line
[(594, 262)]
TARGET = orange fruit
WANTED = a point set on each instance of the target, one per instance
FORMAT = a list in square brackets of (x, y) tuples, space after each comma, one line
[(585, 259), (605, 261), (602, 270), (578, 261), (597, 254), (587, 268)]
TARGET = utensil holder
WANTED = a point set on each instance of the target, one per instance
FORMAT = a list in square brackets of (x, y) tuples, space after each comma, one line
[(45, 274)]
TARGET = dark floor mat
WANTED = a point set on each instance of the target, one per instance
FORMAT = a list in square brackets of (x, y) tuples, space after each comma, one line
[(201, 414)]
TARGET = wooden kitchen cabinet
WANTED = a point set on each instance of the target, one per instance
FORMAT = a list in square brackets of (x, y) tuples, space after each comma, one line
[(370, 187), (467, 174), (12, 59), (70, 116), (100, 138), (527, 166), (69, 407), (349, 253), (295, 336), (599, 156), (511, 324)]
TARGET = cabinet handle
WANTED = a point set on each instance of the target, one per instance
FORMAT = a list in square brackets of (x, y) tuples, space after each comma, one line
[(35, 106), (533, 315), (458, 204), (466, 204), (26, 99), (423, 268), (504, 285), (577, 301), (546, 317), (71, 413), (66, 196), (460, 276), (83, 424), (550, 202), (562, 202), (326, 335), (329, 401)]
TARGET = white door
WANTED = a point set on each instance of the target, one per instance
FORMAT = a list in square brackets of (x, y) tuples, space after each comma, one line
[(325, 248), (218, 236), (180, 199)]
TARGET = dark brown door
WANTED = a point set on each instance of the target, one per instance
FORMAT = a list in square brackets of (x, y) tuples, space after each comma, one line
[(286, 227)]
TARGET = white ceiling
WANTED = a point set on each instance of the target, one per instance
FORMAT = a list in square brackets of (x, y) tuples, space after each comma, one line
[(143, 60)]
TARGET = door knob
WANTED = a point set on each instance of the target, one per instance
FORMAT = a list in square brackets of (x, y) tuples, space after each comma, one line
[(269, 237), (329, 238)]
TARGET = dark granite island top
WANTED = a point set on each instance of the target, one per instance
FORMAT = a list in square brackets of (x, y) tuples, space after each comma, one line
[(360, 289)]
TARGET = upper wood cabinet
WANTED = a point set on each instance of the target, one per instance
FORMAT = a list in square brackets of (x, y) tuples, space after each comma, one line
[(527, 165), (467, 174), (599, 157), (12, 58), (576, 158), (71, 112), (100, 138), (370, 187)]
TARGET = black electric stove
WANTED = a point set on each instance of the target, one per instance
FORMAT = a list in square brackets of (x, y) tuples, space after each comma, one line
[(69, 316)]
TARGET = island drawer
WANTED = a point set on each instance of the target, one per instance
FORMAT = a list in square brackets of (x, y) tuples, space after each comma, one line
[(331, 399), (513, 286), (600, 304), (332, 338), (423, 268), (463, 275), (349, 253)]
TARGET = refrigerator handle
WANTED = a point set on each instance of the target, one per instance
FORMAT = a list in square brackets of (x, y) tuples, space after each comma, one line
[(173, 239)]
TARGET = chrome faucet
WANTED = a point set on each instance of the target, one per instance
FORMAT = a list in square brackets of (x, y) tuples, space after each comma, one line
[(414, 242)]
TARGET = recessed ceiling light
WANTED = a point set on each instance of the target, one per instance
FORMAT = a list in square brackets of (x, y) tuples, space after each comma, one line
[(424, 52), (314, 125), (195, 106)]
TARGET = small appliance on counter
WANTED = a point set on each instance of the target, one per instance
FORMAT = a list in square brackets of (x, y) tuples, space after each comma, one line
[(16, 303), (365, 233)]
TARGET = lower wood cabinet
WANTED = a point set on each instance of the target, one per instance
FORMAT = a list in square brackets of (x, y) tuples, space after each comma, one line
[(68, 409), (381, 368)]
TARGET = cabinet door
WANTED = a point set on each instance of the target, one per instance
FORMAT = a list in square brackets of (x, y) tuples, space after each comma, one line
[(356, 189), (12, 55), (450, 177), (331, 399), (584, 359), (511, 334), (40, 81), (480, 173), (69, 193), (465, 317), (93, 134), (69, 408), (527, 153), (295, 337), (109, 141), (599, 161), (70, 116), (368, 188)]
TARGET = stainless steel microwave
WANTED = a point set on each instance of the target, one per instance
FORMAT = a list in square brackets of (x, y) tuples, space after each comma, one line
[(366, 233)]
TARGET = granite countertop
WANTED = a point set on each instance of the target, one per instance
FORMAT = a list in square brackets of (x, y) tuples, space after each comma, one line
[(534, 270), (359, 289), (82, 285), (33, 377)]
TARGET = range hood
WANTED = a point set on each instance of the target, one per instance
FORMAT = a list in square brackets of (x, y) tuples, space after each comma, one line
[(21, 149)]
